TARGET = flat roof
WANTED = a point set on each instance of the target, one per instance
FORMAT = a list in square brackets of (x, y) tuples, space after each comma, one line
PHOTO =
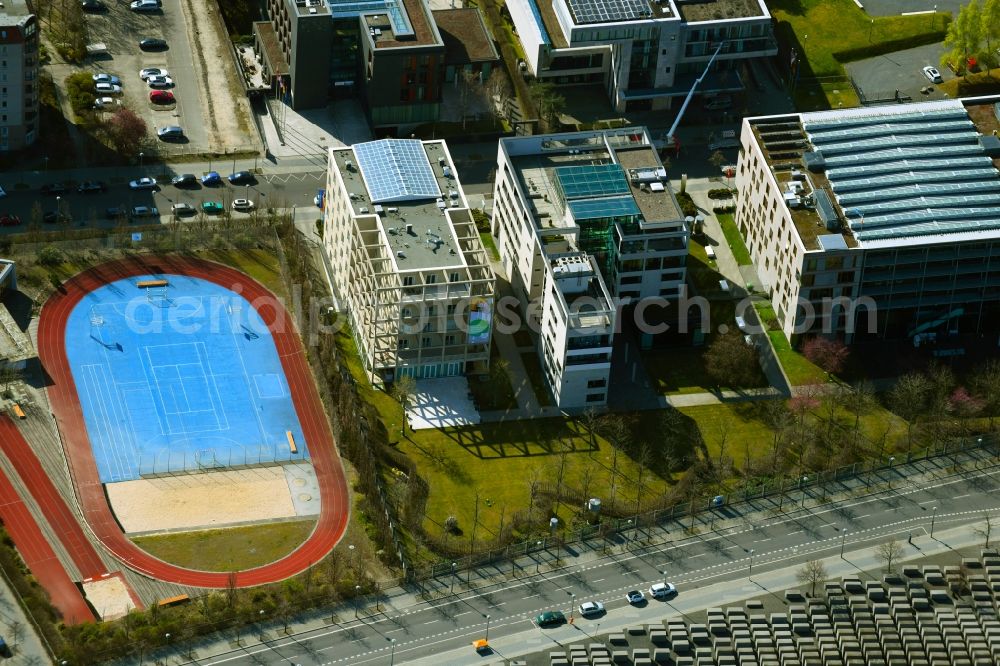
[(465, 37), (587, 12), (273, 53), (311, 7), (419, 29), (417, 227), (720, 10), (656, 206), (16, 9)]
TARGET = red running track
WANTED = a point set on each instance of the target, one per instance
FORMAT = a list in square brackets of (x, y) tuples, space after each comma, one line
[(63, 521), (334, 501), (39, 556)]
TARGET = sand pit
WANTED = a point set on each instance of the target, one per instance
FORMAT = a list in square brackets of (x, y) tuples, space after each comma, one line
[(109, 596), (212, 499)]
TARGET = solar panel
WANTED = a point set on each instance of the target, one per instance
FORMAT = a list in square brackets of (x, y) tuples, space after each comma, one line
[(590, 209), (392, 8), (608, 11), (396, 170), (588, 181)]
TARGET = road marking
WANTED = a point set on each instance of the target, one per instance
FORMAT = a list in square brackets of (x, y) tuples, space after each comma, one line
[(958, 497), (432, 622), (867, 515), (460, 614), (729, 548), (599, 580), (927, 502), (532, 596), (794, 533), (395, 630), (691, 557)]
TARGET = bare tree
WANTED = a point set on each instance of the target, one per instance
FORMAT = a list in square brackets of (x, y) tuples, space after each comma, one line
[(811, 573), (499, 89), (403, 389), (730, 361), (889, 552), (471, 93), (986, 530)]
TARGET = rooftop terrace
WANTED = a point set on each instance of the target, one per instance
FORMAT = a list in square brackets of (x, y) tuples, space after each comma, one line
[(719, 10), (416, 230)]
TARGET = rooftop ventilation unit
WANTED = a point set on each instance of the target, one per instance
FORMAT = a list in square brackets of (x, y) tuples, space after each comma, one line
[(409, 229), (392, 211), (401, 254), (349, 165), (447, 172)]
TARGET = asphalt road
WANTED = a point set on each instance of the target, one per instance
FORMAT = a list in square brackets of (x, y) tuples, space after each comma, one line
[(423, 630), (881, 76)]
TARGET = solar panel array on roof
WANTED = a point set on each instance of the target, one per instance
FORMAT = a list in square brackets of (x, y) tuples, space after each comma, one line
[(591, 180), (396, 170), (608, 11), (589, 209), (908, 174), (400, 22)]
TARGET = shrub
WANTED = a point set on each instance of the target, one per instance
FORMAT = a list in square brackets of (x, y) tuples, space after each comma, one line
[(720, 193), (80, 89), (50, 255), (719, 210), (687, 204), (482, 221)]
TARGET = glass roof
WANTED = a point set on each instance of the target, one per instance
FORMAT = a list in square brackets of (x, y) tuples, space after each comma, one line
[(396, 170), (589, 209), (587, 181), (391, 8)]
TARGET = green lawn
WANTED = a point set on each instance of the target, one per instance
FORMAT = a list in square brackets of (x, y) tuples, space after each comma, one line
[(681, 370), (798, 368), (734, 239), (229, 549), (490, 245)]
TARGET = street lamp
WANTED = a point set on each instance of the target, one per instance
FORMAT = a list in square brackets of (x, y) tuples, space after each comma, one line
[(141, 155), (843, 539), (572, 605), (357, 600), (933, 516), (58, 206), (892, 459), (260, 625), (392, 655), (538, 560), (487, 628), (454, 574), (802, 484), (750, 568)]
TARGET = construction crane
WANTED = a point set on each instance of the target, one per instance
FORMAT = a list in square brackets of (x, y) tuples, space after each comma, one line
[(670, 138)]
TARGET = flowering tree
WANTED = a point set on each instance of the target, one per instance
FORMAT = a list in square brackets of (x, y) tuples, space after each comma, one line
[(830, 355), (126, 130)]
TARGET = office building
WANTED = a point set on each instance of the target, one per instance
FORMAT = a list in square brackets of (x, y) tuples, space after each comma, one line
[(894, 206), (585, 222), (646, 53), (18, 75), (407, 260)]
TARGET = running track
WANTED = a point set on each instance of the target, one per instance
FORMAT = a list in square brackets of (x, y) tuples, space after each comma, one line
[(39, 556), (334, 507)]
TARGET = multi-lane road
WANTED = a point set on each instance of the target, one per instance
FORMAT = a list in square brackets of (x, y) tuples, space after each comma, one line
[(409, 630)]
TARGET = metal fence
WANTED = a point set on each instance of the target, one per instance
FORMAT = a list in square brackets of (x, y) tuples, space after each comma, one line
[(814, 485), (166, 462)]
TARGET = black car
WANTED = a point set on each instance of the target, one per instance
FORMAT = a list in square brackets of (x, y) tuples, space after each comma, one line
[(115, 212), (52, 217), (185, 180), (90, 186), (93, 6), (153, 44), (53, 188), (241, 177)]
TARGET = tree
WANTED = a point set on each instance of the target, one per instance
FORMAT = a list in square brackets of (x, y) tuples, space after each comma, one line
[(730, 361), (811, 573), (8, 375), (829, 355), (859, 401), (964, 38), (402, 390), (908, 399), (990, 15), (717, 159), (889, 552), (985, 384), (499, 90), (986, 530), (471, 93), (126, 131), (548, 102)]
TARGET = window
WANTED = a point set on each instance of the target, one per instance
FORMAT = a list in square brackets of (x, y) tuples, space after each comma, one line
[(451, 310), (408, 281), (449, 339), (404, 343), (426, 341), (597, 383), (666, 70), (453, 277), (431, 279), (595, 397)]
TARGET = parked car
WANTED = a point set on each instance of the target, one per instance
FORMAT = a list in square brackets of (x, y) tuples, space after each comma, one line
[(144, 183), (52, 217), (89, 186), (144, 211), (152, 71), (933, 74), (152, 44), (161, 97), (160, 82), (182, 208), (550, 619), (93, 6), (53, 189), (9, 220), (211, 178), (242, 204), (591, 608), (662, 590), (184, 180), (634, 597), (114, 212), (241, 178), (719, 103), (102, 77), (105, 102), (318, 199), (107, 89), (212, 207), (170, 133), (144, 6)]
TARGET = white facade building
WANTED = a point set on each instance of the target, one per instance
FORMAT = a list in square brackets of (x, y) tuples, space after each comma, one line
[(585, 223), (893, 211), (407, 260), (645, 52)]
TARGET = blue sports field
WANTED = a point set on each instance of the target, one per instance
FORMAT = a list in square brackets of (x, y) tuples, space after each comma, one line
[(177, 378)]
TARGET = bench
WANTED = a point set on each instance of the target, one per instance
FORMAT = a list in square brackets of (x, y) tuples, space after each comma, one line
[(171, 601), (18, 412), (145, 284), (291, 442)]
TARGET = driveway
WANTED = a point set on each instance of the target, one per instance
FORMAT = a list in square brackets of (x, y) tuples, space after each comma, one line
[(879, 78)]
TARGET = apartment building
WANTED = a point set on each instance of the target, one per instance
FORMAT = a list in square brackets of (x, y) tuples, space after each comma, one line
[(647, 53), (585, 223), (893, 211), (407, 260), (18, 75)]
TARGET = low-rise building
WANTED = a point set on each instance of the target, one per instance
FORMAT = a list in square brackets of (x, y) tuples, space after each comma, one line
[(892, 210), (585, 222), (407, 260)]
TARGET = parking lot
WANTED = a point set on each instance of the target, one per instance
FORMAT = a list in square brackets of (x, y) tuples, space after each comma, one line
[(194, 58), (882, 76)]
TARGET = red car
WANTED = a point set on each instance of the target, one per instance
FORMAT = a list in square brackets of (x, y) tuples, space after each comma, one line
[(9, 220), (161, 97)]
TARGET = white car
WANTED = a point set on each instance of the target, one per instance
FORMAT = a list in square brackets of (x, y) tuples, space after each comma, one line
[(144, 183), (242, 204), (107, 89), (933, 74), (662, 590), (104, 102), (144, 5), (634, 597), (160, 82), (588, 608), (152, 71), (182, 208), (107, 78)]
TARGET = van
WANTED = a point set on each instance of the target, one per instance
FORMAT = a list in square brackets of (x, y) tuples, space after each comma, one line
[(170, 133), (710, 252)]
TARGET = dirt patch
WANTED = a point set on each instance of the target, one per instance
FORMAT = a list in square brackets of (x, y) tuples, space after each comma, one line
[(109, 596), (225, 108)]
